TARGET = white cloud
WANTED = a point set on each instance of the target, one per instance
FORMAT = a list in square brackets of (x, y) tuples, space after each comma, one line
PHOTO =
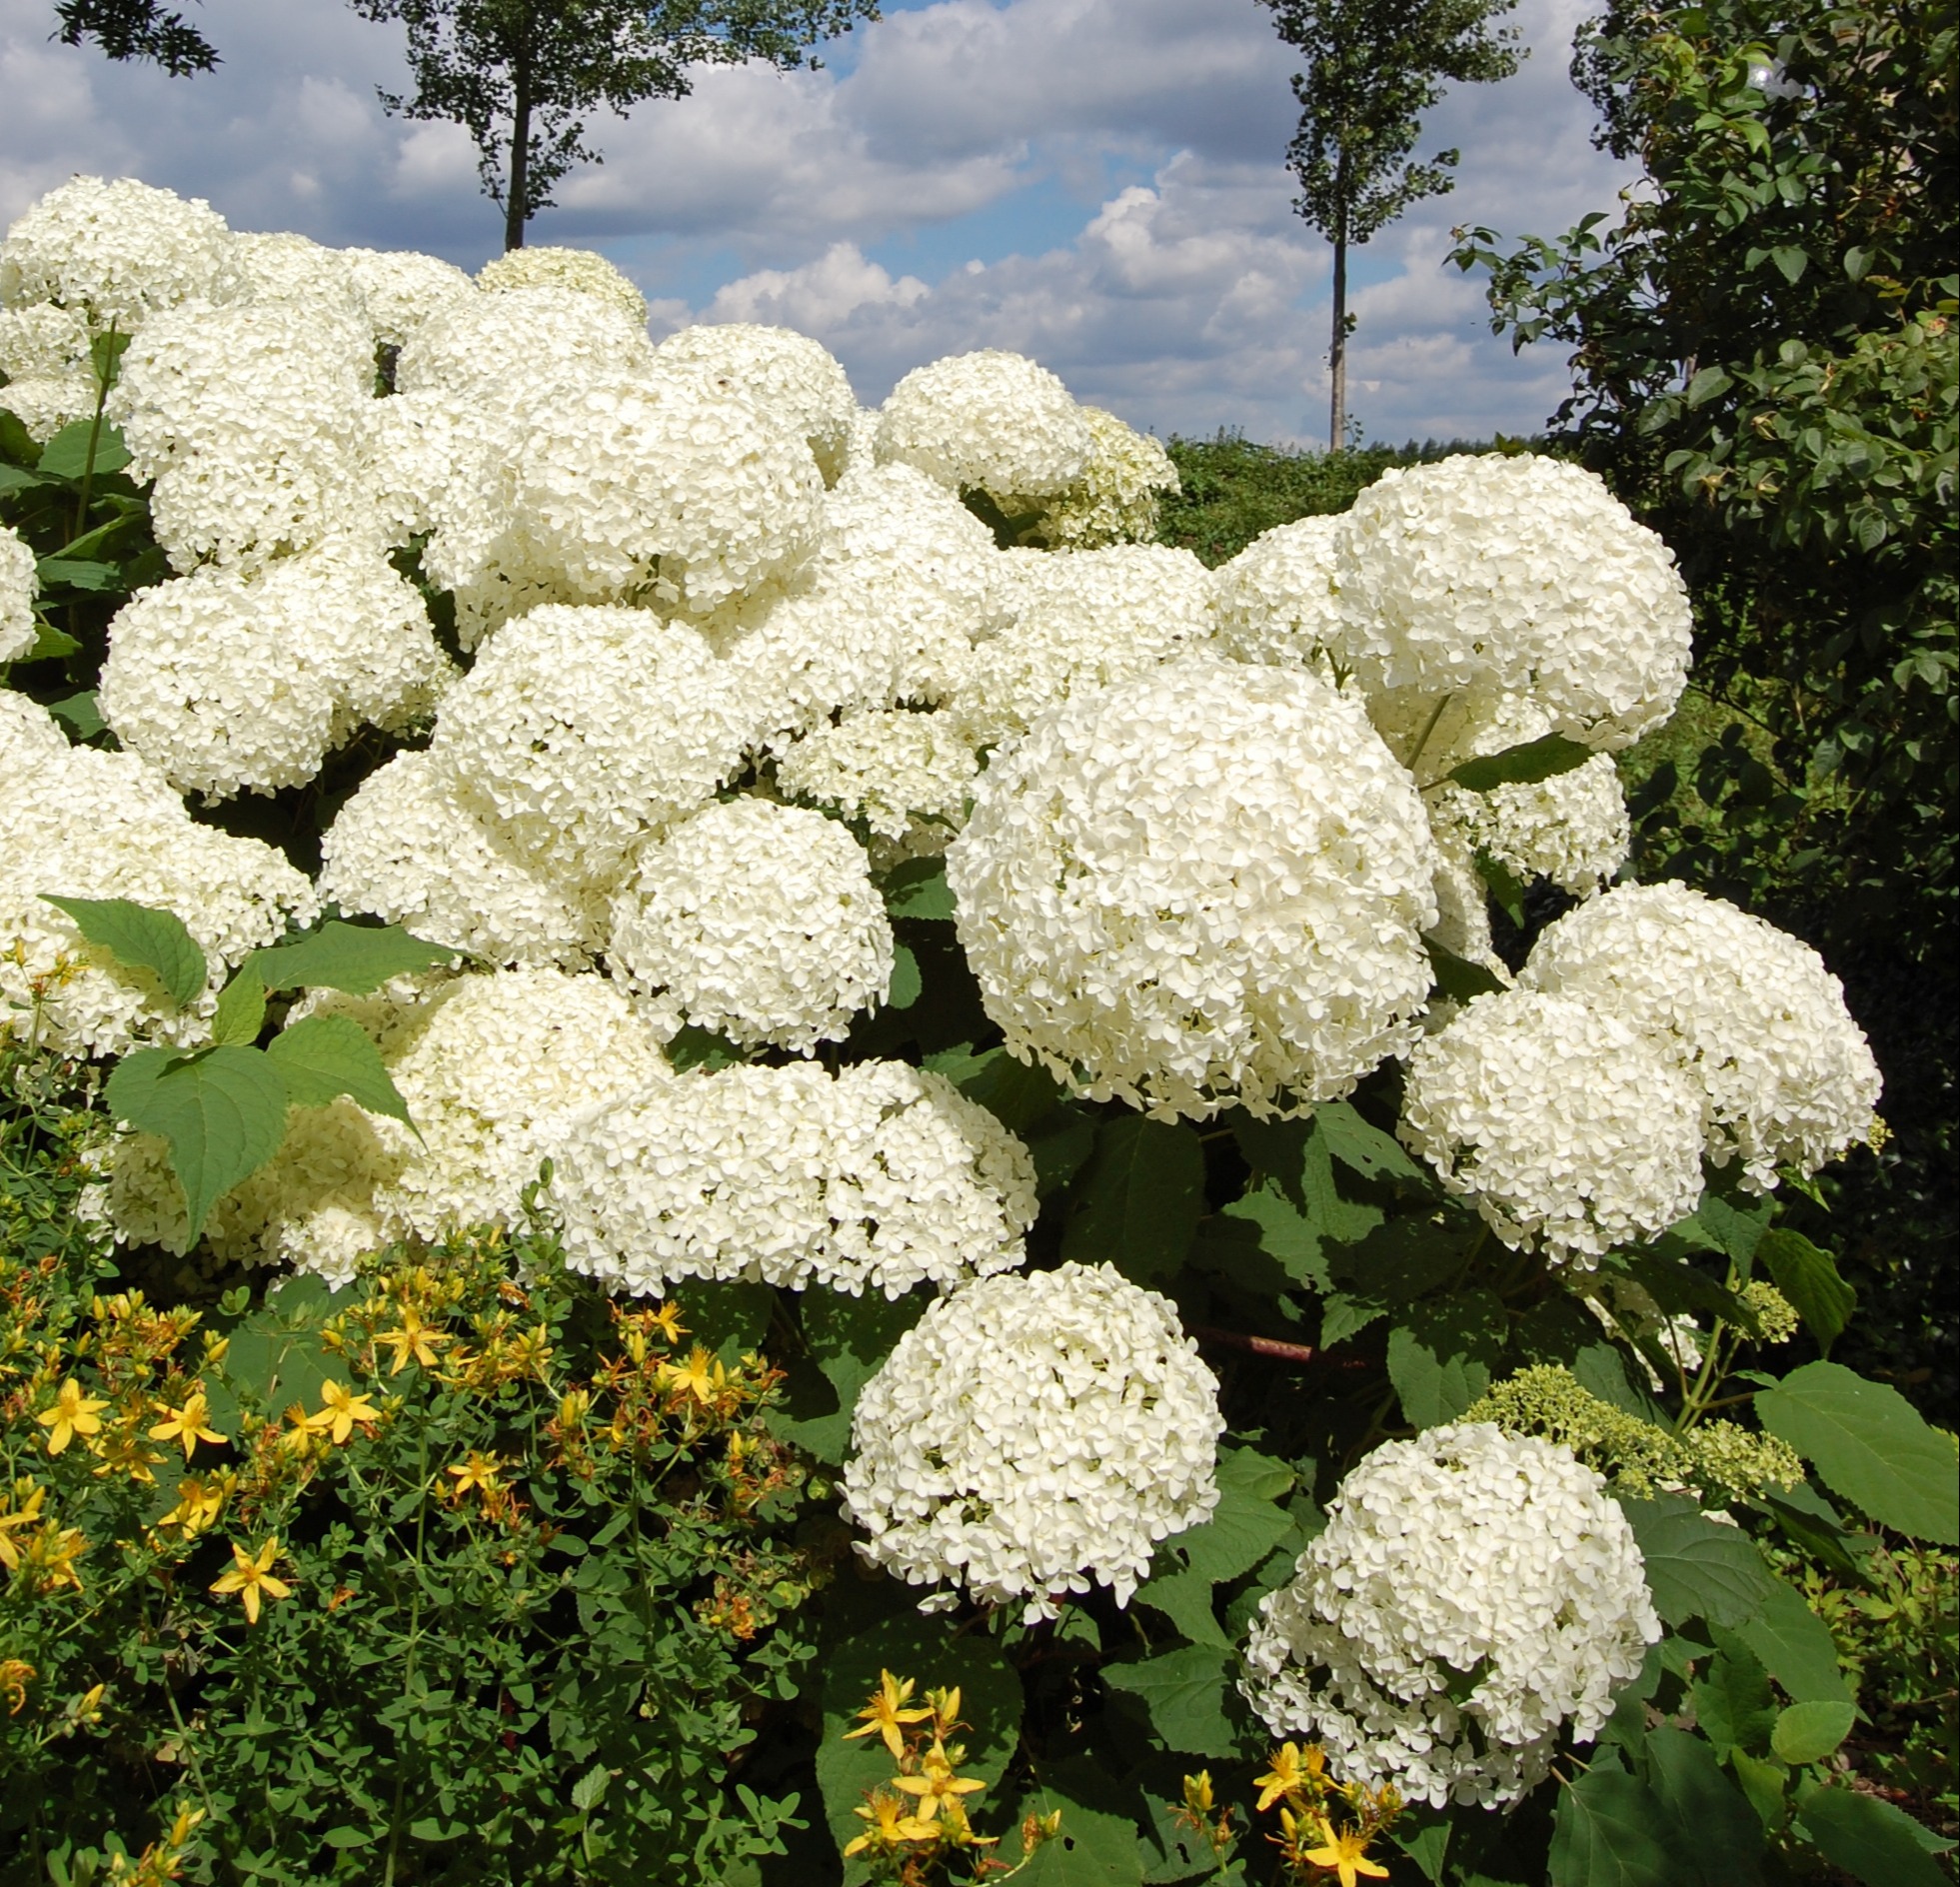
[(821, 295)]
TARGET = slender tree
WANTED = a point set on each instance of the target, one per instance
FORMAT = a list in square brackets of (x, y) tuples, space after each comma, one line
[(524, 76), (136, 29), (1373, 67)]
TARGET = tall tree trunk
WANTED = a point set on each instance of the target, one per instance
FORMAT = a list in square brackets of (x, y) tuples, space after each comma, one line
[(516, 205), (1338, 350)]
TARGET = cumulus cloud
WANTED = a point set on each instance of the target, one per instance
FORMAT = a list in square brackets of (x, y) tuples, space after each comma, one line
[(886, 204)]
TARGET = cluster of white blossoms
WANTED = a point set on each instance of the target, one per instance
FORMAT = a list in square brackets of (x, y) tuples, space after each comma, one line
[(1474, 1596), (1032, 1434), (906, 776), (234, 681), (786, 373), (1202, 887), (880, 1178), (1568, 1128), (1116, 496), (759, 922), (990, 422), (20, 584), (44, 353), (75, 822), (547, 265), (1748, 1012)]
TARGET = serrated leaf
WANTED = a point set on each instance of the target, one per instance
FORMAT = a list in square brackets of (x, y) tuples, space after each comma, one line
[(49, 641), (1603, 1833), (917, 889), (849, 1337), (1099, 1843), (1184, 1694), (1284, 1236), (1873, 1841), (1717, 1835), (1342, 1316), (697, 1047), (1808, 1732), (66, 455), (222, 1112), (590, 1789), (1441, 1357), (1870, 1445), (1138, 1201), (241, 1011), (1809, 1278), (81, 713), (1358, 1143), (1762, 1782), (1184, 1597), (907, 983), (1402, 1260), (143, 939), (1734, 1229), (1732, 1701), (322, 1057), (355, 958), (1796, 1646), (1457, 977), (79, 573), (1543, 759), (1697, 1567), (1344, 1222)]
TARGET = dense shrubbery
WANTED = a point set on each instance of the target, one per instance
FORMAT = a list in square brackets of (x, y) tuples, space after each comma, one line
[(942, 1174)]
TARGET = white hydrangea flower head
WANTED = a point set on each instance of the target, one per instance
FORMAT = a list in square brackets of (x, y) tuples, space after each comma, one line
[(759, 922), (1462, 925), (83, 824), (284, 267), (1204, 888), (244, 682), (1087, 618), (906, 776), (797, 381), (880, 1178), (1117, 498), (480, 348), (991, 419), (1031, 1436), (118, 251), (1572, 829), (662, 485), (1521, 574), (861, 445), (1466, 1558), (400, 288), (1568, 1130), (44, 339), (20, 584), (404, 850), (29, 735), (252, 421), (579, 730), (45, 402), (1275, 600), (1748, 1011), (583, 271)]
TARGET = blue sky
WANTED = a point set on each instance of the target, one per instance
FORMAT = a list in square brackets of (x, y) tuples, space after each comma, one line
[(1098, 183)]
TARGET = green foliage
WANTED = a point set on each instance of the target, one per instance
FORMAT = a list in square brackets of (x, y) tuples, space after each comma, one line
[(137, 29)]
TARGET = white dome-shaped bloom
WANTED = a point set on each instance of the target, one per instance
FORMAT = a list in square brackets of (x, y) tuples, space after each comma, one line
[(83, 824), (478, 345), (283, 266), (1032, 1435), (1203, 887), (661, 486), (759, 922), (252, 421), (581, 270), (795, 380), (1462, 925), (403, 850), (1467, 1560), (230, 682), (45, 402), (29, 735), (20, 584), (1116, 498), (906, 776), (1087, 618), (861, 444), (1748, 1011), (581, 730), (43, 339), (401, 287), (878, 1179), (1568, 1128), (991, 419), (1275, 600), (118, 251), (1522, 574)]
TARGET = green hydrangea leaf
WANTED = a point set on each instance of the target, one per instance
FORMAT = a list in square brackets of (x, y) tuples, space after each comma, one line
[(323, 1056), (354, 957), (143, 939)]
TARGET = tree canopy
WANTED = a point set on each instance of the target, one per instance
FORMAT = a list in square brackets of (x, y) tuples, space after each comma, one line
[(137, 29)]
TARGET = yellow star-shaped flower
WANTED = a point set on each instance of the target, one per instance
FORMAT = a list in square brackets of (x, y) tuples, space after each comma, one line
[(188, 1424), (475, 1470), (1345, 1854), (700, 1376), (198, 1504), (28, 1513), (887, 1715), (938, 1785), (892, 1825), (668, 1317), (414, 1339), (73, 1414), (251, 1577), (1293, 1771), (341, 1409)]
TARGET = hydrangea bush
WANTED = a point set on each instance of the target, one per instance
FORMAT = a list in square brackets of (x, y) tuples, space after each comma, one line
[(1232, 1269)]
